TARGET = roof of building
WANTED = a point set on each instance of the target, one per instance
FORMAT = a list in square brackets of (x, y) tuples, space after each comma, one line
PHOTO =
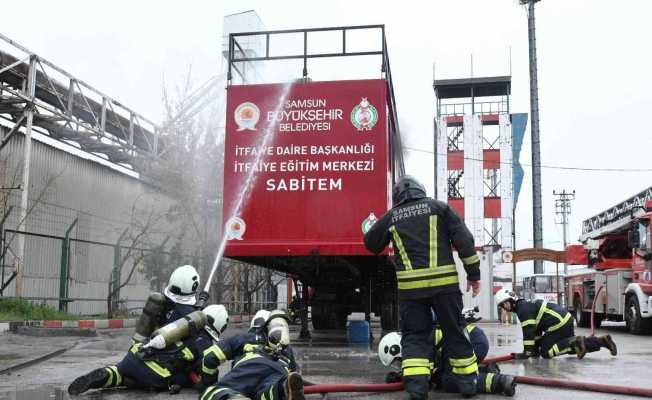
[(473, 87)]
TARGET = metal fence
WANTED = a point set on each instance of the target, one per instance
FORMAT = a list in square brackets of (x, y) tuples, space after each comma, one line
[(75, 275)]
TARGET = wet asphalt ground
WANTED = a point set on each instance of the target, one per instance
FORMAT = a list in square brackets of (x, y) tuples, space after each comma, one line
[(327, 358)]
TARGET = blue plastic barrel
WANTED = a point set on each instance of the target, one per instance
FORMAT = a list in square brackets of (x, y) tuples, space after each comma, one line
[(358, 331)]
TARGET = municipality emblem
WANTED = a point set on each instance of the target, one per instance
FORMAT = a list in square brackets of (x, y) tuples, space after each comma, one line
[(368, 222), (364, 116), (246, 116), (235, 228)]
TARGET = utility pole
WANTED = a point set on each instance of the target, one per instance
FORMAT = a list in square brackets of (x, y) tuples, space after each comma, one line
[(563, 208), (537, 225)]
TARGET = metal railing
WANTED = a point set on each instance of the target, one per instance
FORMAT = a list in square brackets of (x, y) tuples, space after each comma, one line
[(70, 109), (475, 107), (237, 55)]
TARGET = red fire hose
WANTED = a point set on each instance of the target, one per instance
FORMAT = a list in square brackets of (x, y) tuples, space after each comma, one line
[(360, 387), (497, 359), (528, 380)]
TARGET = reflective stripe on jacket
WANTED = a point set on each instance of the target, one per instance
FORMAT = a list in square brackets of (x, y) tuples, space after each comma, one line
[(423, 233), (539, 317)]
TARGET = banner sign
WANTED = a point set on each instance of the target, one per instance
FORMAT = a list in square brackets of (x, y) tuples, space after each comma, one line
[(321, 179)]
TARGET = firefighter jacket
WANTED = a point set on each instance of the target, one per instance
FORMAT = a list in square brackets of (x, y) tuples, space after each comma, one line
[(537, 318), (177, 361), (255, 367), (244, 347), (423, 233), (172, 312)]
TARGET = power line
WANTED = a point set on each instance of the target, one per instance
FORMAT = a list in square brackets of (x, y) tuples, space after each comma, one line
[(559, 167)]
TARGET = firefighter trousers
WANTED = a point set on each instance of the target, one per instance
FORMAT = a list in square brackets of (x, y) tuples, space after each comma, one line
[(558, 342), (138, 374), (257, 379), (417, 339), (488, 382)]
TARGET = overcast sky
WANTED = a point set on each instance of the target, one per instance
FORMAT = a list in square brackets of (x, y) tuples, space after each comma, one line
[(594, 71)]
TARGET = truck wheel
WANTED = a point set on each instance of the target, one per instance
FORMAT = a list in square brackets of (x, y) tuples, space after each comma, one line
[(583, 318), (635, 323)]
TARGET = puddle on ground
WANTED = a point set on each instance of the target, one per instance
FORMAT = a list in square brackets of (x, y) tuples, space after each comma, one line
[(55, 393), (41, 393)]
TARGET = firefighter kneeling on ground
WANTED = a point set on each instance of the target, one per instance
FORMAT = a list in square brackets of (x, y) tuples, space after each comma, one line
[(263, 365), (167, 369), (548, 329), (490, 380), (423, 232), (178, 300)]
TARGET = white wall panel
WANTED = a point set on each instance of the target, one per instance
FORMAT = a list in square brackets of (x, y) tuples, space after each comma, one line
[(473, 178)]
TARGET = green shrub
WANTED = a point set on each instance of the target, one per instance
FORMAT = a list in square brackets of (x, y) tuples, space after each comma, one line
[(19, 309)]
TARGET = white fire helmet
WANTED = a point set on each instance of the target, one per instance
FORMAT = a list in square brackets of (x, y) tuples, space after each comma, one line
[(278, 330), (182, 286), (389, 348), (259, 320), (504, 295), (217, 319)]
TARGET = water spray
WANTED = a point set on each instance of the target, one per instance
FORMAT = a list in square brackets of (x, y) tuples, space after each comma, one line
[(248, 183)]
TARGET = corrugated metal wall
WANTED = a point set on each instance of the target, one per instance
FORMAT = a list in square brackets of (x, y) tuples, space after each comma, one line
[(102, 200)]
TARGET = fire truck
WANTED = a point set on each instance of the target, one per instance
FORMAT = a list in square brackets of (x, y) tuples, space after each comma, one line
[(617, 252)]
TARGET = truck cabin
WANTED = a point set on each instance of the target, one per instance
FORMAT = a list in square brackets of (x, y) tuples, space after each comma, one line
[(639, 237)]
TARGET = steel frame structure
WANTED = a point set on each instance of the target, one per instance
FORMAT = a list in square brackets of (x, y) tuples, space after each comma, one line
[(70, 110), (237, 55), (35, 94), (461, 134)]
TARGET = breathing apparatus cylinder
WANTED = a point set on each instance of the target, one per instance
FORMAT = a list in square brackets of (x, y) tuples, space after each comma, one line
[(154, 307), (177, 330)]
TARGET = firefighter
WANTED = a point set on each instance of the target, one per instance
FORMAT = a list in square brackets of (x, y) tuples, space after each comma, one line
[(423, 232), (167, 369), (263, 365), (178, 300), (490, 380), (548, 329)]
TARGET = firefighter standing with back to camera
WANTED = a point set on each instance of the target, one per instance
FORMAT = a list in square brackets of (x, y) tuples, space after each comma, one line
[(423, 232)]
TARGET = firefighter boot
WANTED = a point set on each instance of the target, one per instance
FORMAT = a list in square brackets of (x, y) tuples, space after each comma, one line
[(608, 343), (505, 384), (293, 387), (578, 344), (467, 385), (93, 380)]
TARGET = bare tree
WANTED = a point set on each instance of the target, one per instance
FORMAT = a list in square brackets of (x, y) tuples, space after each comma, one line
[(136, 238), (192, 168)]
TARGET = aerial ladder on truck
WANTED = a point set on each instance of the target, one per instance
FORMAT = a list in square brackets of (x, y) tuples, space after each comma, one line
[(617, 251)]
